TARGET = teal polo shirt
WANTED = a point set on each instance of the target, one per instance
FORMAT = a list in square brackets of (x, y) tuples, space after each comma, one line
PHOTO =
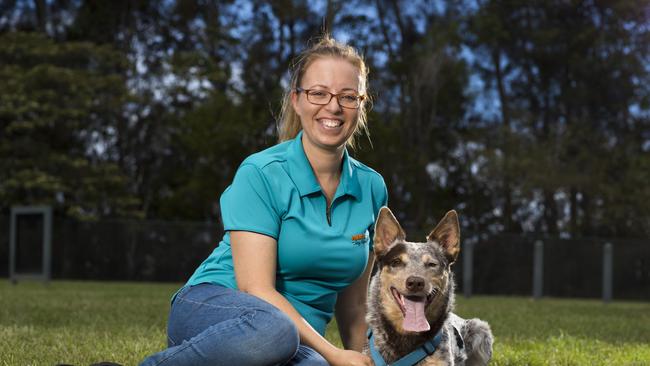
[(275, 193)]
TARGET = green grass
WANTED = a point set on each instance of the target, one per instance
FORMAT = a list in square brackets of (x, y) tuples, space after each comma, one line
[(81, 323)]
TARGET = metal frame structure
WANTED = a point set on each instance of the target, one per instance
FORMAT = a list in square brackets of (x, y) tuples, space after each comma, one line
[(46, 273)]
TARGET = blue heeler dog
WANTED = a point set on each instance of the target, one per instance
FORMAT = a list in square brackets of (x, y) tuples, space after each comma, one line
[(411, 298)]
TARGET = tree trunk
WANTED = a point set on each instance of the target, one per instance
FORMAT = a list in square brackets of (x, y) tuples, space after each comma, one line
[(573, 220), (550, 212), (506, 189), (41, 15)]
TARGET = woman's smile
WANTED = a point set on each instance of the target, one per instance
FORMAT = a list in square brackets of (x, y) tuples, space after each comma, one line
[(330, 124)]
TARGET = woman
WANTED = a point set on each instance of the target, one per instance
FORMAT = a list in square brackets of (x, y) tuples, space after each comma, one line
[(298, 219)]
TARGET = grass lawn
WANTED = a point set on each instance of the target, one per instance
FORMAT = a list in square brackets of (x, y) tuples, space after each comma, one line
[(81, 323)]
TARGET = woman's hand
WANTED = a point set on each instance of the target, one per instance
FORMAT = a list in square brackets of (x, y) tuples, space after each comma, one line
[(350, 358)]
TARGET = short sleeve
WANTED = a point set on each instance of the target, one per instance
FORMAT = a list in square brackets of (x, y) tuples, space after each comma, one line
[(248, 204), (380, 199)]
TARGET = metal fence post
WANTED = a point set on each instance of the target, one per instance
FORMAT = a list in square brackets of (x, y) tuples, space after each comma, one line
[(47, 244), (607, 272), (538, 269), (12, 249), (468, 268)]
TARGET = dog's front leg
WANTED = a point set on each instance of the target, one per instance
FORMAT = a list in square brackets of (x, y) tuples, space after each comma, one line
[(437, 360)]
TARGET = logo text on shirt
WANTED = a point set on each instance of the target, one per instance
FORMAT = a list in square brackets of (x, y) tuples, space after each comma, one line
[(359, 239)]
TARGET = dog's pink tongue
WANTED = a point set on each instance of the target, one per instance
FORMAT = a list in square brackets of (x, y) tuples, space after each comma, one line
[(414, 319)]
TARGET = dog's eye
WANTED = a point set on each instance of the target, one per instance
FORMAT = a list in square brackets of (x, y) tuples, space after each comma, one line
[(396, 262), (432, 265)]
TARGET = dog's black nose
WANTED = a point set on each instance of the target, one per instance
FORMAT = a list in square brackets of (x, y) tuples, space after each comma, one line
[(415, 283)]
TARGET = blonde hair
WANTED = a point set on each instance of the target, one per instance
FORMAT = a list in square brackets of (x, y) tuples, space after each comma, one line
[(289, 122)]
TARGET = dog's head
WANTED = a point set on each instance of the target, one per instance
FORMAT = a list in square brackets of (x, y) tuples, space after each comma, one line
[(414, 277)]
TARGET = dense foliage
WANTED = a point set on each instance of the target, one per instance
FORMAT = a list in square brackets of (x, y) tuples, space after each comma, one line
[(524, 116)]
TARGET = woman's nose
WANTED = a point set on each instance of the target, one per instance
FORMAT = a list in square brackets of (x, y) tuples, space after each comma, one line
[(333, 106)]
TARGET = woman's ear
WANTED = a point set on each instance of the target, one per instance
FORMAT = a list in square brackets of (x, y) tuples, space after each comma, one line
[(294, 100)]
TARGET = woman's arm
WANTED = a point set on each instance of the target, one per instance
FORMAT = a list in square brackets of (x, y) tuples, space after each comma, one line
[(255, 260), (351, 310)]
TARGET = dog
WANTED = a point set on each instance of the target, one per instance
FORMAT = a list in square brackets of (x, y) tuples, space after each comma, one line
[(411, 298)]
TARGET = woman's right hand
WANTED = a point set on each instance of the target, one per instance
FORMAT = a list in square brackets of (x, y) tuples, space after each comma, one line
[(350, 358)]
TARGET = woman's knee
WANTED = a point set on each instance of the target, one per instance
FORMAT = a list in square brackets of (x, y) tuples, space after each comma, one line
[(277, 337), (254, 332), (260, 336)]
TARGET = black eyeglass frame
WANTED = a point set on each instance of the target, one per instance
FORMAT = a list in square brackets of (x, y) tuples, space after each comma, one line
[(360, 98)]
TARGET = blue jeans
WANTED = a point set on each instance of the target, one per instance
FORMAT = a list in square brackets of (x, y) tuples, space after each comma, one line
[(213, 325)]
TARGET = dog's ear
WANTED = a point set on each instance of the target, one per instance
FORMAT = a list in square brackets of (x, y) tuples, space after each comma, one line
[(447, 234), (387, 231)]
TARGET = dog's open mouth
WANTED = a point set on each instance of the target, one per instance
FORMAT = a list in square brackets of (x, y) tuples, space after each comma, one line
[(412, 307)]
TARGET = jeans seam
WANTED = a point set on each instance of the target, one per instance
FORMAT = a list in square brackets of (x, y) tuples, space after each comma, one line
[(240, 320), (208, 304), (291, 358)]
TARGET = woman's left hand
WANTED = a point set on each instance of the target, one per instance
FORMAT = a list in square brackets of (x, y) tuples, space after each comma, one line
[(350, 358)]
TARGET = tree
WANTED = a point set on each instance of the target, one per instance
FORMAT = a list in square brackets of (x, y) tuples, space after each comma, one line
[(567, 76), (420, 80), (58, 104)]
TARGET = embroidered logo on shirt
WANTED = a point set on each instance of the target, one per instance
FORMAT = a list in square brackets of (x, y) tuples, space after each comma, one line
[(359, 239)]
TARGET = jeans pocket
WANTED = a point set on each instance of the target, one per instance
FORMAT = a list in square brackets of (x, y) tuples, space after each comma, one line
[(180, 293)]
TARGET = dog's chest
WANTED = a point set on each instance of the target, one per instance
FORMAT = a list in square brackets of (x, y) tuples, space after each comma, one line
[(396, 348), (435, 360)]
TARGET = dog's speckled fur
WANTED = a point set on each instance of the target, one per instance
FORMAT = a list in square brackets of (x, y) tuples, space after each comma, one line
[(399, 260)]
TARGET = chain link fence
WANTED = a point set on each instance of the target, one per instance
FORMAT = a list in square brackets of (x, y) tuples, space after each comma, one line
[(501, 264), (123, 249)]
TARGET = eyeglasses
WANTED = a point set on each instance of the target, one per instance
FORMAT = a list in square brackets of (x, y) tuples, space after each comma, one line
[(322, 97)]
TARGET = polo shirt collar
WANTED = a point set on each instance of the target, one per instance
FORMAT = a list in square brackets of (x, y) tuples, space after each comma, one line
[(303, 176)]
